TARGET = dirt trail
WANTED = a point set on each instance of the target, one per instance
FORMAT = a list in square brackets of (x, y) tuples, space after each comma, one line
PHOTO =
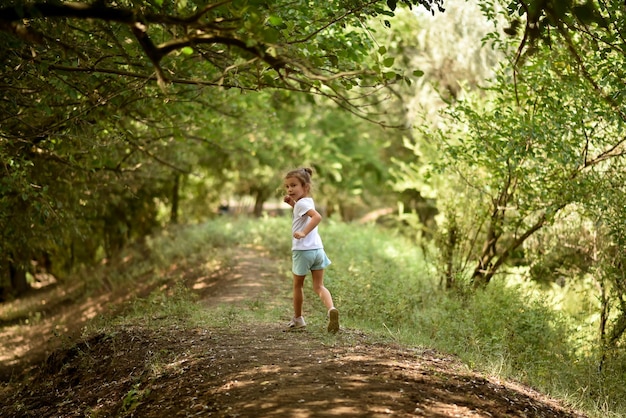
[(257, 370)]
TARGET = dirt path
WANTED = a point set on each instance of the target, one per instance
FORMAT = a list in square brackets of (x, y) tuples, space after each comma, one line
[(257, 370)]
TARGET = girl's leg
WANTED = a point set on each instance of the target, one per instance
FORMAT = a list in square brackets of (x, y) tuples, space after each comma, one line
[(298, 295), (318, 287), (324, 294)]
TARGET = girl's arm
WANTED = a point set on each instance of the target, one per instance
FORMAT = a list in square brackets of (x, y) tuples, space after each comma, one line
[(315, 220)]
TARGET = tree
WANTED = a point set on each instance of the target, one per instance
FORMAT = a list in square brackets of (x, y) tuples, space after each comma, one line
[(527, 154), (540, 141)]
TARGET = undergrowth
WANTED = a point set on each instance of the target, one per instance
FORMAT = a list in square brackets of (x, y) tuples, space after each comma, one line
[(382, 285)]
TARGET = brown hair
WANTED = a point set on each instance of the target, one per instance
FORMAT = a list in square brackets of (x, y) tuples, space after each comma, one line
[(302, 174)]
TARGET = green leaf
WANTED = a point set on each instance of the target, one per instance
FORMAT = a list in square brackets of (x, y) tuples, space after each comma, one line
[(388, 62), (418, 73), (187, 50), (275, 20), (271, 35), (389, 75)]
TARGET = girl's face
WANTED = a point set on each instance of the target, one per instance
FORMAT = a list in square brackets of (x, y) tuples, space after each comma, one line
[(295, 189)]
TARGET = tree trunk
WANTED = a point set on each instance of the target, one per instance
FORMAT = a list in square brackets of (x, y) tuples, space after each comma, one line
[(19, 285), (604, 314), (487, 267), (483, 272), (175, 199), (451, 245), (260, 198)]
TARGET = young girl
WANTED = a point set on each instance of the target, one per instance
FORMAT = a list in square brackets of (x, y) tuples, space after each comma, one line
[(307, 248)]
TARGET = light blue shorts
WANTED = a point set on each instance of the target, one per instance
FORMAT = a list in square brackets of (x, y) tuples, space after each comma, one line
[(307, 260)]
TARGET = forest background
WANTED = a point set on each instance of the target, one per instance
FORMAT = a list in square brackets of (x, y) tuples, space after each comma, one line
[(489, 135)]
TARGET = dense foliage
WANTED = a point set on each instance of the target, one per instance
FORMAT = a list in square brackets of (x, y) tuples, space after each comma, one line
[(112, 111), (528, 171)]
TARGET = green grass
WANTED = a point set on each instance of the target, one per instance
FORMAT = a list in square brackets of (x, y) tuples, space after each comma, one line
[(382, 285)]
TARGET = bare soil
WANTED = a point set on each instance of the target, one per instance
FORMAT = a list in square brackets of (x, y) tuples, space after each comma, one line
[(242, 370)]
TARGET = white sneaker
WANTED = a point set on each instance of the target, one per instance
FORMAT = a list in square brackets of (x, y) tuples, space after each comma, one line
[(333, 320), (296, 323)]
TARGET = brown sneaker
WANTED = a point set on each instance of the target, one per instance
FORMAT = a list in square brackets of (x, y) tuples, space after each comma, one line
[(333, 320)]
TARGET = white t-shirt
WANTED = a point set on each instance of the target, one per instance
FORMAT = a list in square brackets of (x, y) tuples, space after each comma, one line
[(312, 241)]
